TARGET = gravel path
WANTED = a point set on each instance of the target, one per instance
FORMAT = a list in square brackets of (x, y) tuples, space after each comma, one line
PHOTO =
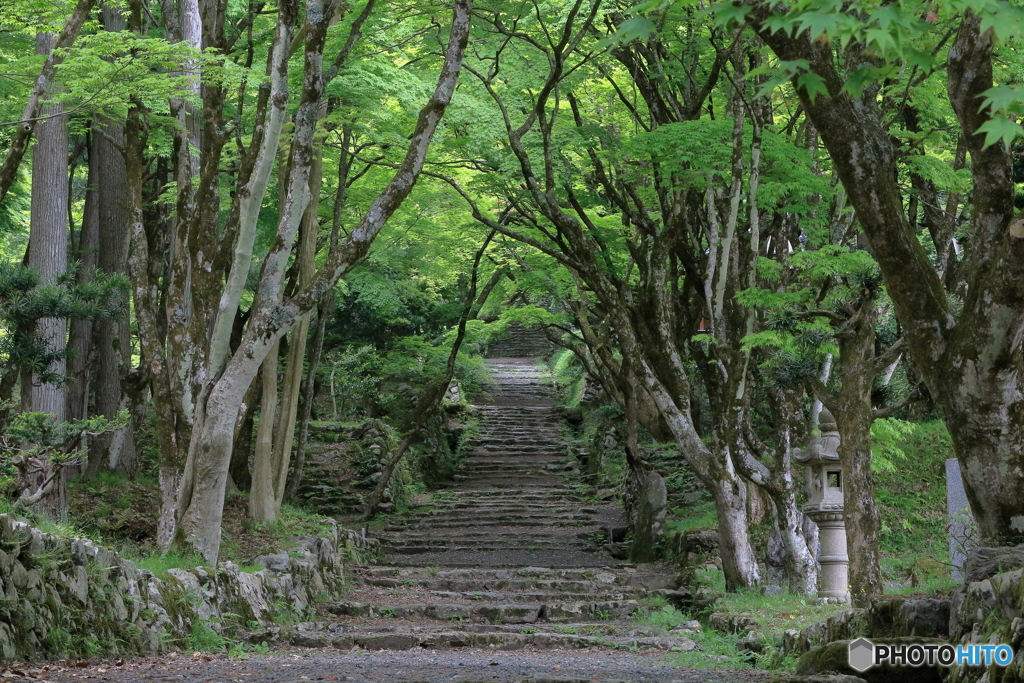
[(562, 666)]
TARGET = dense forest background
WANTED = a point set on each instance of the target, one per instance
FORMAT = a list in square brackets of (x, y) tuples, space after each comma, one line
[(226, 223)]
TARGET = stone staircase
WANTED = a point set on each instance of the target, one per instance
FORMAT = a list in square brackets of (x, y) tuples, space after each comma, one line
[(510, 556), (521, 342)]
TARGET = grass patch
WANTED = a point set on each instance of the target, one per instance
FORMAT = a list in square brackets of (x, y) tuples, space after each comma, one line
[(700, 516), (160, 564), (715, 651), (778, 613)]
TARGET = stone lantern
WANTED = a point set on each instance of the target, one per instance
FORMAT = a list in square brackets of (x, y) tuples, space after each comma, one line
[(825, 506)]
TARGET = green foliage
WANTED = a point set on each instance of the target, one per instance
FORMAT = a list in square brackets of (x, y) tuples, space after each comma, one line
[(23, 301), (887, 435), (36, 446), (912, 499), (203, 638), (665, 619), (569, 375)]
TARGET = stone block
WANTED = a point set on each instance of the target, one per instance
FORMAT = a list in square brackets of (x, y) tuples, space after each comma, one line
[(445, 612), (317, 640), (350, 609), (927, 617), (500, 641), (386, 641), (562, 612), (509, 614), (403, 611), (552, 641)]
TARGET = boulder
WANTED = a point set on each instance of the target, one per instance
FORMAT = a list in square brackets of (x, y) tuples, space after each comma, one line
[(984, 563), (349, 609), (928, 617), (730, 623), (833, 658)]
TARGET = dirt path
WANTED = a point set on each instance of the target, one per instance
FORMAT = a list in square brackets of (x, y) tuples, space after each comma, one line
[(605, 666)]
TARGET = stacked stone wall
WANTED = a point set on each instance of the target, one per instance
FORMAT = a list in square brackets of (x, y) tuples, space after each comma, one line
[(62, 597)]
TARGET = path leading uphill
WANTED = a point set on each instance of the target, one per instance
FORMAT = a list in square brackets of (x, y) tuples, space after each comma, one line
[(511, 506), (505, 578)]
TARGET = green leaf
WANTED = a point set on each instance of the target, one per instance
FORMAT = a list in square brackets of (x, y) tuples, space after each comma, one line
[(1000, 128), (1003, 99), (813, 84), (635, 28)]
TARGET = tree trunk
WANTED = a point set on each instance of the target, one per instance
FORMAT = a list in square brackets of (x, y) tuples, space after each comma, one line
[(112, 341), (35, 108), (285, 435), (853, 414), (80, 336), (739, 563), (308, 395), (48, 240), (48, 256), (262, 506)]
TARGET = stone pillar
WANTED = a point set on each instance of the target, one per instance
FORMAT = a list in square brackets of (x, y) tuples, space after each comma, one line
[(834, 576)]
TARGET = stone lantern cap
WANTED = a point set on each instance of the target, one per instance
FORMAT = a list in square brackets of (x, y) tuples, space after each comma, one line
[(823, 448)]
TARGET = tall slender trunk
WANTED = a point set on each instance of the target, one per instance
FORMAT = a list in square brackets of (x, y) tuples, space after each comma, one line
[(80, 335), (48, 239), (261, 497), (853, 414), (308, 395), (48, 256), (297, 347), (112, 340)]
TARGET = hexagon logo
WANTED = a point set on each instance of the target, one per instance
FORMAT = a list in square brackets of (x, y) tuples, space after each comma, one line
[(862, 654)]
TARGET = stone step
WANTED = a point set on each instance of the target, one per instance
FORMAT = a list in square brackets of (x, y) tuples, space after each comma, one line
[(513, 595), (510, 613), (566, 557), (533, 522), (408, 639), (557, 504), (470, 585)]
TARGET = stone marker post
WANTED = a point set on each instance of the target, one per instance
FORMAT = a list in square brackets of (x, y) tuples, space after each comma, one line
[(960, 521), (825, 506)]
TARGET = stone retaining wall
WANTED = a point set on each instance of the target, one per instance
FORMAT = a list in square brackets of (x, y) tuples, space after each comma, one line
[(887, 617), (990, 611), (63, 597)]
